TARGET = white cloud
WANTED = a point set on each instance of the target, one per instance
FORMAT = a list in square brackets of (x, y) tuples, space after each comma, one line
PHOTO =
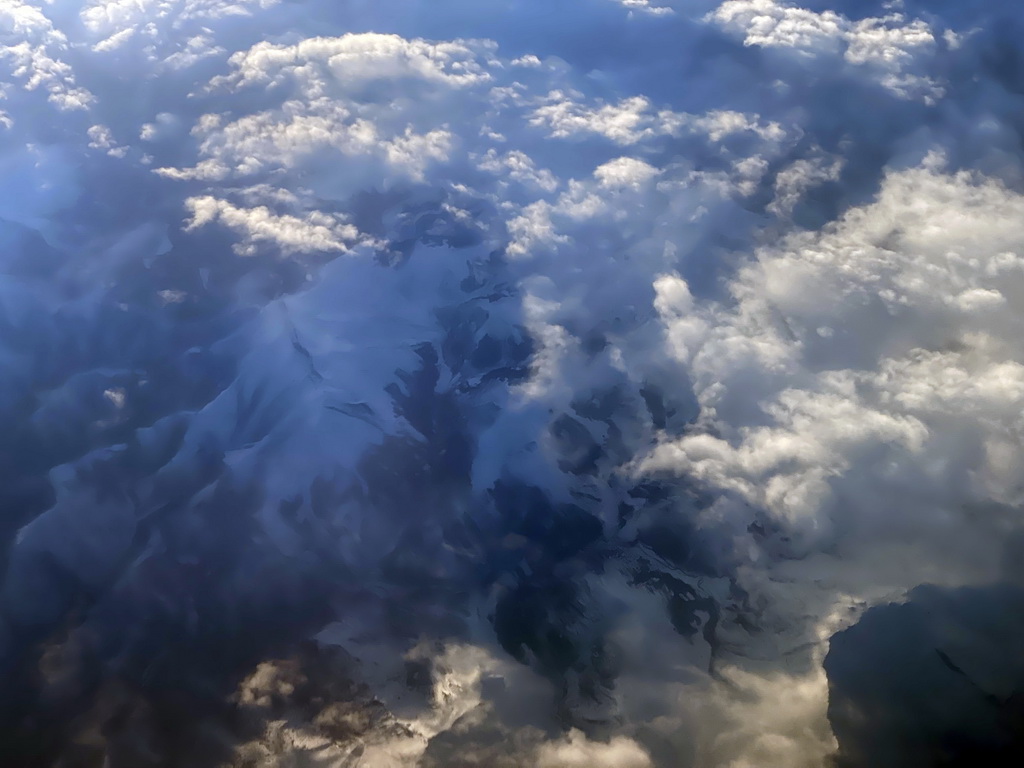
[(644, 6), (170, 30), (768, 23), (793, 182), (162, 127), (101, 138), (518, 166), (300, 133), (31, 47), (625, 123), (890, 48), (312, 233), (351, 61), (866, 385), (634, 120), (529, 60), (333, 98), (625, 172), (719, 124), (579, 752)]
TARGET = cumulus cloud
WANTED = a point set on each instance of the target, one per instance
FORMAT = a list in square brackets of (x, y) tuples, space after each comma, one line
[(173, 31), (625, 172), (863, 392), (923, 279), (890, 47), (577, 751), (644, 6), (32, 50), (334, 98), (101, 138), (310, 234), (519, 167)]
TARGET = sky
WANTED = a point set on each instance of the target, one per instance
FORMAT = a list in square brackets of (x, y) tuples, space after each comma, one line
[(627, 383)]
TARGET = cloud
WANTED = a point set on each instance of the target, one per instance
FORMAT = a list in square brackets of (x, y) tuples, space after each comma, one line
[(173, 30), (625, 123), (100, 138), (352, 59), (31, 48), (311, 234), (519, 167), (577, 751), (929, 280), (889, 47), (644, 6), (587, 403), (625, 172), (862, 393), (340, 106)]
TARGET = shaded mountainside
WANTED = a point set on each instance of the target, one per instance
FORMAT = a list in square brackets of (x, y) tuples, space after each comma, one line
[(935, 682), (169, 553)]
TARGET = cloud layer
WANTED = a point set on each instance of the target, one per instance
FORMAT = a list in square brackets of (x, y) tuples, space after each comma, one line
[(576, 376)]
